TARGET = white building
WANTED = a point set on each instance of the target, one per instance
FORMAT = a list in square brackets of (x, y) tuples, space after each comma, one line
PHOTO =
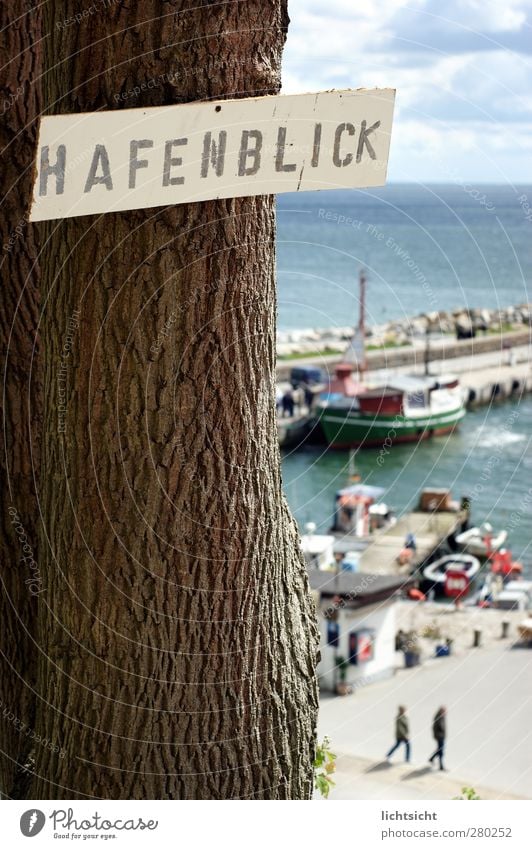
[(357, 616)]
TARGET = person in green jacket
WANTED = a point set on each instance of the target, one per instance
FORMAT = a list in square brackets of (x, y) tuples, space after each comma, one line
[(439, 732), (402, 733)]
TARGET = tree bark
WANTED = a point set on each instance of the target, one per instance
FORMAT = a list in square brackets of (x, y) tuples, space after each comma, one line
[(178, 631), (20, 63)]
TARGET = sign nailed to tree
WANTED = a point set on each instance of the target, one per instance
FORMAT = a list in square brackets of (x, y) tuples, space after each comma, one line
[(137, 158)]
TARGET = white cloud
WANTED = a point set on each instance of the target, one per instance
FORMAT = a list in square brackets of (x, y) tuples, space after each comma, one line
[(454, 152), (461, 85)]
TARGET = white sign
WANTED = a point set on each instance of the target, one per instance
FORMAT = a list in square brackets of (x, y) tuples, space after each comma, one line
[(136, 158)]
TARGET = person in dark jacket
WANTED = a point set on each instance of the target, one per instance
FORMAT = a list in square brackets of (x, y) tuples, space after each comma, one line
[(439, 732), (402, 733), (288, 403)]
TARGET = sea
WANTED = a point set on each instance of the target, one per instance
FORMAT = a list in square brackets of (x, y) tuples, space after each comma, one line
[(425, 248)]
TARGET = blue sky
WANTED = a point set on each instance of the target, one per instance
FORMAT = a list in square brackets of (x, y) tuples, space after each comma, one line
[(462, 70)]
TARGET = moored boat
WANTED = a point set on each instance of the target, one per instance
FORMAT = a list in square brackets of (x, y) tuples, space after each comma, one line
[(405, 409), (357, 513), (481, 542), (317, 549), (452, 574)]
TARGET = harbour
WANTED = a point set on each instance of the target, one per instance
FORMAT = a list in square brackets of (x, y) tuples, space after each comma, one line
[(417, 600), (487, 458), (497, 376), (499, 373)]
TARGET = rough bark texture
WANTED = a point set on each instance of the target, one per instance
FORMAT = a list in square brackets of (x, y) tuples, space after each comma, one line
[(178, 631), (20, 63)]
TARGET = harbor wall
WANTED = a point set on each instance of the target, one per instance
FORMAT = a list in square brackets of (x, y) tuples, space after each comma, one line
[(492, 386), (508, 379), (410, 355)]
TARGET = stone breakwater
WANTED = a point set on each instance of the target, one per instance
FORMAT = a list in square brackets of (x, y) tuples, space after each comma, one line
[(461, 322)]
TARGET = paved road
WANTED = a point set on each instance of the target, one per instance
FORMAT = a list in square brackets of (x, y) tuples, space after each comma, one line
[(466, 362), (359, 778), (469, 364), (488, 693)]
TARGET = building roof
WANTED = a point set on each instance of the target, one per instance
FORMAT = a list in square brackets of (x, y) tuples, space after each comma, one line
[(362, 490), (392, 382), (358, 588)]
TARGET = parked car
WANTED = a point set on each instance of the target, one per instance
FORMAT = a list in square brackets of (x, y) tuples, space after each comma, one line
[(306, 376)]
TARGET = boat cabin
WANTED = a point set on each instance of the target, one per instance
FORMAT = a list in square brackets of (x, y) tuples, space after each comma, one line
[(353, 512), (343, 383), (409, 395)]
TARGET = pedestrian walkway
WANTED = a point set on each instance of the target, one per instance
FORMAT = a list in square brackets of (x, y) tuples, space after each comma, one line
[(488, 693), (359, 778)]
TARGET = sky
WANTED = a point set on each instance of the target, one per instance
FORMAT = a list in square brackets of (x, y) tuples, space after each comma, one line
[(462, 70)]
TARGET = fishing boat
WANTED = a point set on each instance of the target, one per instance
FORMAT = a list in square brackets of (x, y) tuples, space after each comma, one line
[(452, 574), (481, 542), (358, 511), (402, 408), (405, 409)]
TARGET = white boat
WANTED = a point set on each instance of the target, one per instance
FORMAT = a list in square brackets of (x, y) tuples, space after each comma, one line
[(318, 549), (436, 572), (475, 540)]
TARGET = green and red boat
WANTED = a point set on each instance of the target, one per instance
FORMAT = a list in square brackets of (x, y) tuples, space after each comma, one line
[(404, 409)]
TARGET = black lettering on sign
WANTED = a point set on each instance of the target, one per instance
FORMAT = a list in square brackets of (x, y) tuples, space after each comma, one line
[(249, 153), (58, 170), (316, 146), (214, 153), (281, 145), (100, 157), (363, 140), (172, 162), (348, 158), (134, 163)]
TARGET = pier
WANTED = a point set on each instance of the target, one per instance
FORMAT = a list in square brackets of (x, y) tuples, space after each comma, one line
[(498, 383), (430, 531), (491, 369)]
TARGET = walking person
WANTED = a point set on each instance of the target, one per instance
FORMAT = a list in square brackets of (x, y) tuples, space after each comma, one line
[(439, 731), (402, 733), (287, 403)]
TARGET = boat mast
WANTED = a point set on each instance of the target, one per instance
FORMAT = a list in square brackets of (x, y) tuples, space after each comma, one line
[(426, 356), (355, 354), (363, 365), (354, 475)]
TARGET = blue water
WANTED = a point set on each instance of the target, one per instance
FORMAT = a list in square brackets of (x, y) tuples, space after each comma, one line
[(471, 249), (489, 458), (469, 255)]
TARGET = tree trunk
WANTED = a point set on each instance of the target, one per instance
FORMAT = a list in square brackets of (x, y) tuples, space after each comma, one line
[(179, 633), (20, 61)]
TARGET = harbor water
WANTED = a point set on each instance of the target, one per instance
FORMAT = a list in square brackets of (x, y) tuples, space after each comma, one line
[(426, 248), (488, 458), (442, 247)]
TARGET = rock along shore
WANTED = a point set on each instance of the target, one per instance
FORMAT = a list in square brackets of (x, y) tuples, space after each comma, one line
[(406, 332)]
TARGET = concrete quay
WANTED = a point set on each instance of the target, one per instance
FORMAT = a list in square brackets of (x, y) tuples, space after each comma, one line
[(487, 377), (413, 355), (429, 529), (488, 694)]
